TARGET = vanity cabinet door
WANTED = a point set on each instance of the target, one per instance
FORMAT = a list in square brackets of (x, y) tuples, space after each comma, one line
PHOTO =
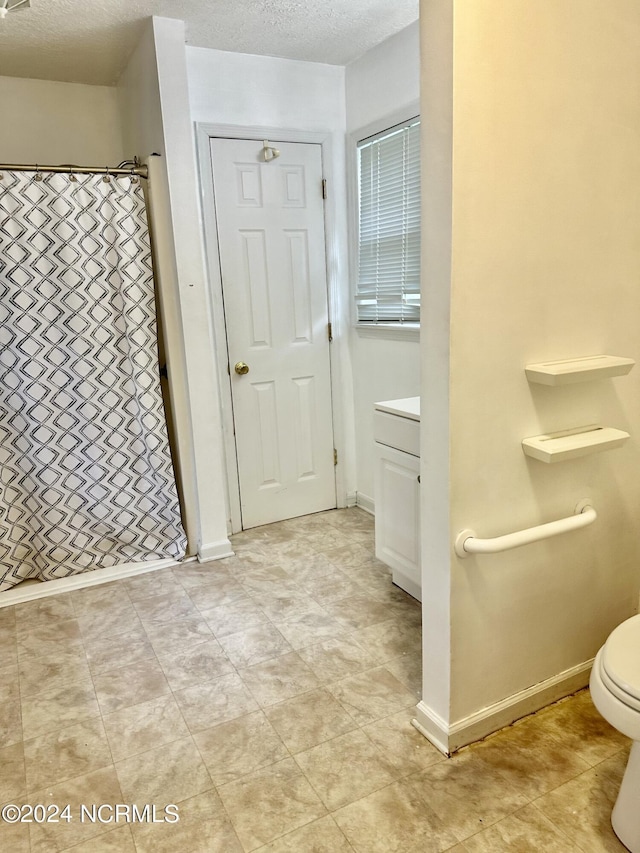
[(397, 506)]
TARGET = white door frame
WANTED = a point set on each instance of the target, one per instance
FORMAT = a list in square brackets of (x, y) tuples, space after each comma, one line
[(337, 311)]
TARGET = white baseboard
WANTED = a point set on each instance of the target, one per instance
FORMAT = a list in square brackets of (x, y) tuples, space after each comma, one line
[(351, 499), (450, 738), (366, 503), (30, 590), (215, 551)]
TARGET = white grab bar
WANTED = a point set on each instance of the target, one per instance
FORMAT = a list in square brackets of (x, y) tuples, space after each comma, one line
[(466, 542)]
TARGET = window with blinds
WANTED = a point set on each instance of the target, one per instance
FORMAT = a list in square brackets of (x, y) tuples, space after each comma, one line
[(388, 288)]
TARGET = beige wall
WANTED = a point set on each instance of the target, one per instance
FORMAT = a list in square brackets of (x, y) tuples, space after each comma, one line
[(545, 261), (51, 123)]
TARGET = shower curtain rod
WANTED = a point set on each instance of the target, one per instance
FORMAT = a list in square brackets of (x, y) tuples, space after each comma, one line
[(135, 168)]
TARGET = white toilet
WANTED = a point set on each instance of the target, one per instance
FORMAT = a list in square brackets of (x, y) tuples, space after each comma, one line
[(615, 690)]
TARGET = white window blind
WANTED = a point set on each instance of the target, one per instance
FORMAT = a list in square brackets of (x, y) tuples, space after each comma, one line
[(388, 289)]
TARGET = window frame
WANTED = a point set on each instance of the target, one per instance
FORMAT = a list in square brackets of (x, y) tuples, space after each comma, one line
[(391, 330)]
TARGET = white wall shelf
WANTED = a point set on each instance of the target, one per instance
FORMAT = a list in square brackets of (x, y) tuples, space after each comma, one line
[(572, 443), (584, 369)]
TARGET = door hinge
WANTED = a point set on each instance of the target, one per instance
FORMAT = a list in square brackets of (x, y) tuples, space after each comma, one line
[(329, 332), (335, 456), (324, 188)]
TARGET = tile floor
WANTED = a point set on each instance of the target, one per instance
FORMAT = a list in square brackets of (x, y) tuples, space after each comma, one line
[(269, 696)]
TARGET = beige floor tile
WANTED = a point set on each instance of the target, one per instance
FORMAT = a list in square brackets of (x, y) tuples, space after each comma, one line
[(194, 574), (159, 582), (7, 619), (287, 802), (321, 836), (269, 581), (247, 558), (99, 598), (14, 837), (203, 662), (48, 639), (223, 590), (287, 604), (145, 726), (255, 645), (526, 831), (130, 647), (333, 660), (129, 685), (52, 671), (282, 553), (58, 708), (13, 784), (110, 622), (344, 556), (359, 611), (346, 769), (581, 808), (9, 653), (10, 723), (530, 758), (234, 749), (309, 719), (396, 819), (582, 729), (93, 789), (168, 607), (466, 793), (328, 540), (116, 841), (45, 610), (72, 751), (204, 827), (408, 670), (391, 639), (214, 702), (372, 695), (165, 775), (278, 679), (166, 638), (311, 628), (9, 684), (303, 566), (234, 617), (408, 750), (326, 594)]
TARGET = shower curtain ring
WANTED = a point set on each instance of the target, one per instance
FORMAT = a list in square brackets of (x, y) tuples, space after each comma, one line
[(107, 178), (38, 175), (133, 177), (72, 177)]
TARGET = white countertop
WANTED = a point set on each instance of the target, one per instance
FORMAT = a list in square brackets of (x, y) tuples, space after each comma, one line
[(409, 407)]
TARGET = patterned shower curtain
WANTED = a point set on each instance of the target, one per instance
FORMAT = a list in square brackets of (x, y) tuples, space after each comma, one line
[(86, 479)]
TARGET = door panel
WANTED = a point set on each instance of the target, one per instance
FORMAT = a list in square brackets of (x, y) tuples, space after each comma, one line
[(270, 223)]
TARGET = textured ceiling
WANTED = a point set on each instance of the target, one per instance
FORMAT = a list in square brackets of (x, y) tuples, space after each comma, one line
[(89, 41)]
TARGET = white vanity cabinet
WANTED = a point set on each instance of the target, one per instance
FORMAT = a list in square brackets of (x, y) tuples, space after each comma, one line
[(397, 490)]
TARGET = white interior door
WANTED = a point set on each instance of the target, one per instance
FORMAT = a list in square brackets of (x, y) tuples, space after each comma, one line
[(270, 226)]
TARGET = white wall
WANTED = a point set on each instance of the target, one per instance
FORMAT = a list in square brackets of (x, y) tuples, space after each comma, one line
[(55, 123), (544, 257), (382, 87), (155, 107), (246, 91)]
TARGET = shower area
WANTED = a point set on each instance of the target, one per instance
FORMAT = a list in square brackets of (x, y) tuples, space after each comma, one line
[(86, 474)]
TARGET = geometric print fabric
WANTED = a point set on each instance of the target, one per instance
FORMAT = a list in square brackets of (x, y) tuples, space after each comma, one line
[(86, 479)]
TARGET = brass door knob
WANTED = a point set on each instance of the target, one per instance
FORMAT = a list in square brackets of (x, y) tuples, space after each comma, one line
[(241, 368)]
